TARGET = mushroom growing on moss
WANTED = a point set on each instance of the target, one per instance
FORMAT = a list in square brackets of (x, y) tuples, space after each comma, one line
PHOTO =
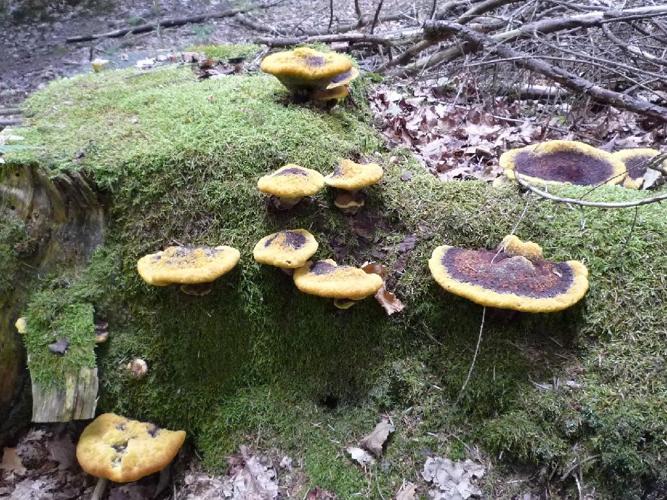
[(287, 249), (114, 448), (561, 162), (515, 276), (635, 161), (348, 178), (290, 184), (344, 284), (194, 268), (303, 69)]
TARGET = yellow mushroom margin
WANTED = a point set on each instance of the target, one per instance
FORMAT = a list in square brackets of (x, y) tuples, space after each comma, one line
[(325, 278), (291, 181), (635, 160), (305, 68), (351, 176), (563, 162), (124, 450), (287, 249), (576, 288), (187, 265)]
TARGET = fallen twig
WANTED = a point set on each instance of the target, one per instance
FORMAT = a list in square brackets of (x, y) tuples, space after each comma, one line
[(165, 23), (563, 77), (586, 203)]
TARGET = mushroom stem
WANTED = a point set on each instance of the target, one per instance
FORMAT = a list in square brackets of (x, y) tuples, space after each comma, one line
[(283, 203), (100, 488), (349, 202), (197, 290), (287, 271), (344, 303)]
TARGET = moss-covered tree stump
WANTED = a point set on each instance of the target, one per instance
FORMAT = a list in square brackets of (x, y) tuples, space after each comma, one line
[(177, 160)]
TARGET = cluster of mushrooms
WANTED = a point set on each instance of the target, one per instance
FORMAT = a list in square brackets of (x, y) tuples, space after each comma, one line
[(513, 276), (573, 162), (194, 269)]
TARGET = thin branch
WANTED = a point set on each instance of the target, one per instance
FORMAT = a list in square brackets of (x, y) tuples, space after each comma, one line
[(565, 78), (586, 203), (331, 16), (474, 358), (377, 16)]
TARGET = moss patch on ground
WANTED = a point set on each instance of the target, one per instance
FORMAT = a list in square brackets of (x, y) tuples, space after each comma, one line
[(228, 51), (256, 361)]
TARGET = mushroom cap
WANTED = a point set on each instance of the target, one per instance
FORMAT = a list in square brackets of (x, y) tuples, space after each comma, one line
[(349, 201), (635, 160), (305, 68), (124, 450), (325, 278), (21, 325), (287, 249), (558, 162), (513, 246), (291, 181), (351, 176), (510, 280), (187, 265), (344, 79)]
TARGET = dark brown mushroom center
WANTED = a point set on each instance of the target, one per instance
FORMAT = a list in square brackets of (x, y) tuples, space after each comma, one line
[(315, 61), (564, 166), (508, 274), (291, 239), (153, 430), (292, 171), (637, 165), (320, 267)]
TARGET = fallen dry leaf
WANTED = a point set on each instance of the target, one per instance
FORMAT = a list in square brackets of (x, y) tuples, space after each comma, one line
[(59, 347), (11, 462), (388, 300), (376, 440), (362, 457), (454, 480), (408, 491)]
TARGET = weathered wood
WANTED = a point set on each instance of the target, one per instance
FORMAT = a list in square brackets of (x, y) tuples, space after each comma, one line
[(77, 400)]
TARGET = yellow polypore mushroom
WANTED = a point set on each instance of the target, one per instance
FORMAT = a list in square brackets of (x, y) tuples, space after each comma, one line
[(348, 178), (515, 276), (115, 448), (325, 278), (558, 162), (287, 249), (289, 184), (194, 268), (306, 69), (636, 161)]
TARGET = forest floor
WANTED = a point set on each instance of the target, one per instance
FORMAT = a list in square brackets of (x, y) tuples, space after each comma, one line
[(41, 464)]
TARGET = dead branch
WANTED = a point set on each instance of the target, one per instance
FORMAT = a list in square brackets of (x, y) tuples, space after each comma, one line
[(542, 27), (559, 75), (387, 39), (376, 17), (9, 111), (587, 203), (10, 122), (165, 23)]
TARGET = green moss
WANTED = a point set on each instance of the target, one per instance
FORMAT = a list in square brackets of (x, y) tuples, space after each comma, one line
[(13, 238), (180, 159), (227, 51), (50, 318)]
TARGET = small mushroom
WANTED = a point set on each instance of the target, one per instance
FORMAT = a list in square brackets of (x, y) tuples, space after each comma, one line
[(194, 268), (348, 178), (560, 162), (22, 325), (138, 368), (287, 249), (635, 161), (290, 184), (345, 284), (515, 276), (114, 448), (304, 69)]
